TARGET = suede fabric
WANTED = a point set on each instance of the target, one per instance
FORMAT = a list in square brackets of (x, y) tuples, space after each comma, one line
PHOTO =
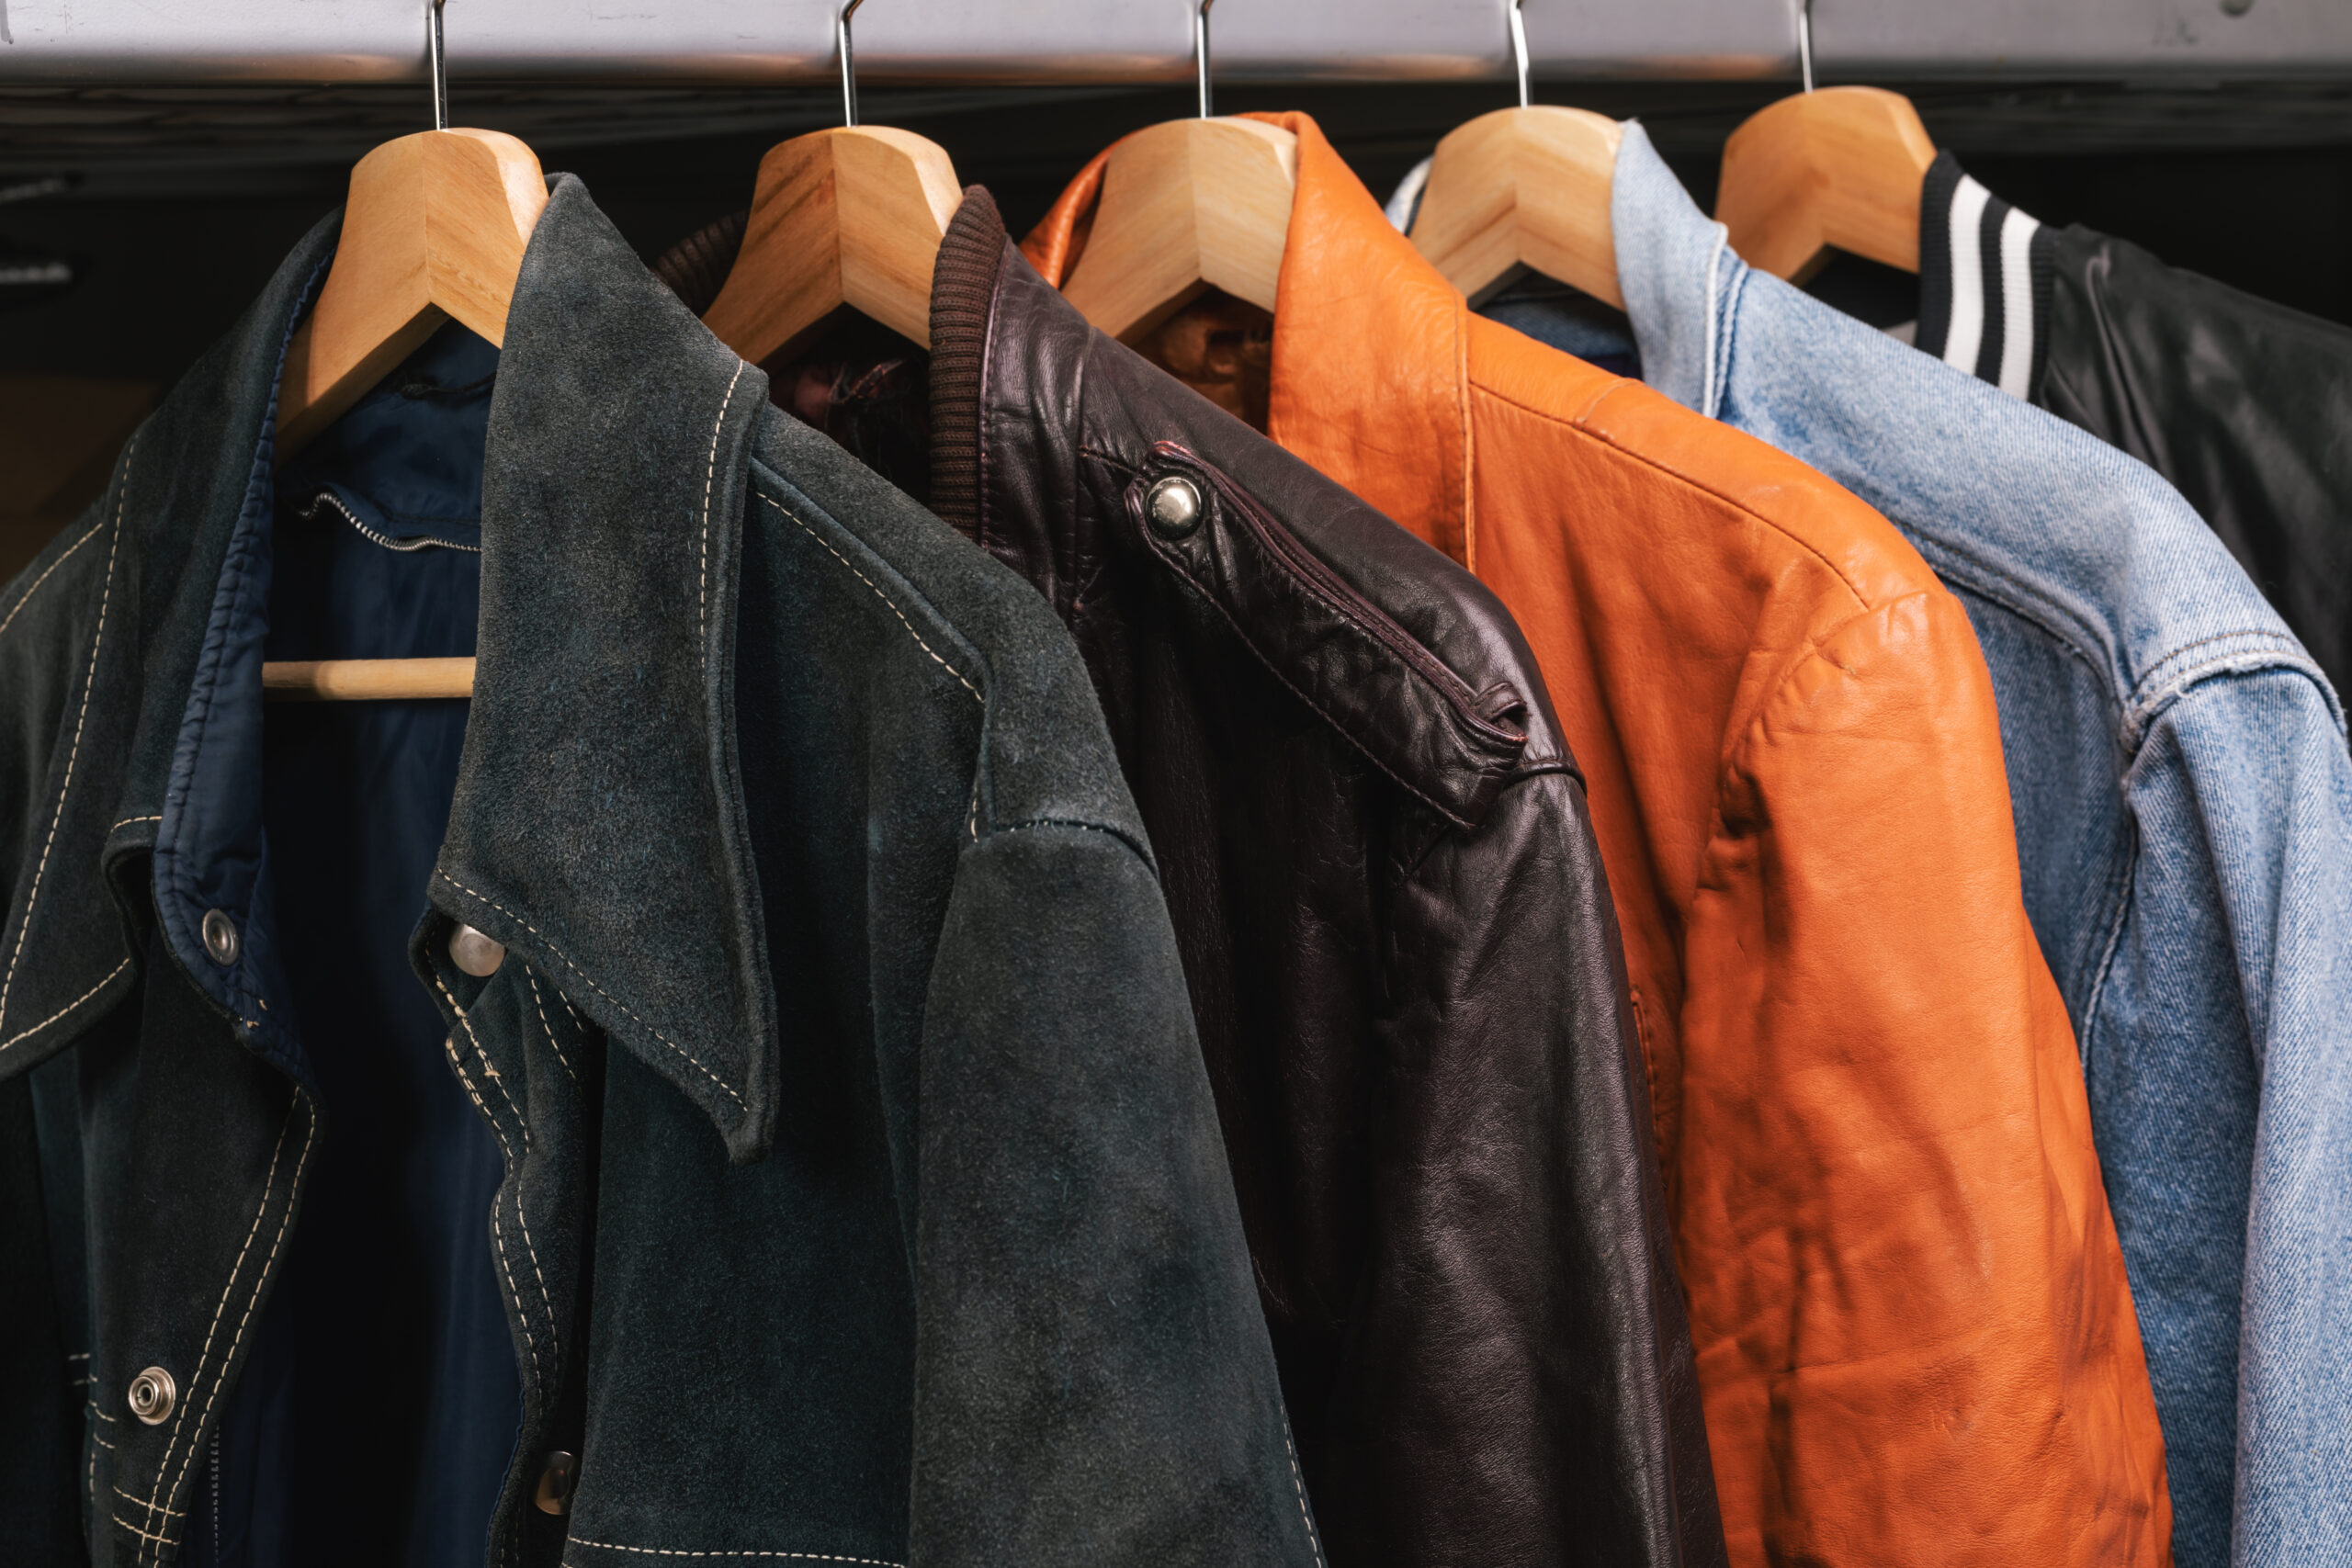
[(862, 1197)]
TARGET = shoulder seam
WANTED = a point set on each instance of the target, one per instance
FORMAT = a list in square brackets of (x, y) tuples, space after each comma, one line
[(1577, 426)]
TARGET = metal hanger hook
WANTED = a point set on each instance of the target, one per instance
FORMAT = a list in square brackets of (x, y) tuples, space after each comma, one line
[(849, 67), (1201, 53), (438, 58), (1519, 48), (1805, 41)]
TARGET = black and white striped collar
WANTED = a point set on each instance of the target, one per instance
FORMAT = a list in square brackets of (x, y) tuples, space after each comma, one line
[(1984, 278)]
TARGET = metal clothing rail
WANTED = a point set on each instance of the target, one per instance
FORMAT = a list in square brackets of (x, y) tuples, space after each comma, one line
[(945, 42)]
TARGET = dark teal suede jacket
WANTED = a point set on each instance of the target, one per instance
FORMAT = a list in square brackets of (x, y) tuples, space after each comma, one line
[(853, 1192)]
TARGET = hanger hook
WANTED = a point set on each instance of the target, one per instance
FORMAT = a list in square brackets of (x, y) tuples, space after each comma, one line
[(439, 58), (1805, 41), (1519, 48), (849, 69), (1201, 52)]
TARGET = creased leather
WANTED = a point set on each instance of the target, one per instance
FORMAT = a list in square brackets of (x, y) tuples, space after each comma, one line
[(1912, 1324), (1398, 939)]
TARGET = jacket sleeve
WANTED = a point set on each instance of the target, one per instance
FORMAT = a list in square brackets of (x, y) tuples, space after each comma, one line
[(1913, 1327), (1093, 1380), (1522, 1390)]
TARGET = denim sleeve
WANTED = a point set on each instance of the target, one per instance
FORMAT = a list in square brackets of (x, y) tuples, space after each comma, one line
[(1093, 1382), (2242, 794)]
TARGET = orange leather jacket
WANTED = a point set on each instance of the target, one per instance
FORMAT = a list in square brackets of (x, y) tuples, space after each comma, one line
[(1914, 1339)]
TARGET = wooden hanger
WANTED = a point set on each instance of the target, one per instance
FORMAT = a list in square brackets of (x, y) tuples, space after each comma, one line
[(1835, 169), (1523, 189), (1187, 206), (435, 231), (850, 216)]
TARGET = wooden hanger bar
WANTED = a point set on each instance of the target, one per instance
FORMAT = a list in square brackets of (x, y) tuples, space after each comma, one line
[(1838, 169), (365, 680), (1523, 187)]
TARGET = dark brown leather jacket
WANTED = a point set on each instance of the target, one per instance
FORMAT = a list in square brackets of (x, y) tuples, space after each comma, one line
[(1394, 924)]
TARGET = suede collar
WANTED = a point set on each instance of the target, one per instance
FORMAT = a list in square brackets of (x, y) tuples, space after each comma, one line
[(1339, 390), (598, 828)]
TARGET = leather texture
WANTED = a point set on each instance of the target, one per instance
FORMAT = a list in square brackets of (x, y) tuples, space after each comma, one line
[(1914, 1335), (1398, 940)]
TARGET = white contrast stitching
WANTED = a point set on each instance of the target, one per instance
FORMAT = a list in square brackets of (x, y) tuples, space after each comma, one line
[(129, 820), (710, 477), (529, 1250), (878, 595), (591, 979), (497, 1231), (144, 1536), (156, 1508), (97, 641), (795, 1556), (60, 561), (69, 1007), (294, 1184), (542, 1011), (1299, 1484), (104, 1444), (171, 1439)]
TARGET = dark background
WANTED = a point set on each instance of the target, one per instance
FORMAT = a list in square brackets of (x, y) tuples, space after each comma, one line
[(173, 207)]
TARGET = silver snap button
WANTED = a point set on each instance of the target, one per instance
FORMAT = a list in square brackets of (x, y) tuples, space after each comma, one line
[(475, 953), (1173, 506), (152, 1394), (556, 1480), (220, 937)]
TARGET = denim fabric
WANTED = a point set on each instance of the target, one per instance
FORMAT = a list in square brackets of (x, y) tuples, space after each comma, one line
[(2184, 815), (858, 1188)]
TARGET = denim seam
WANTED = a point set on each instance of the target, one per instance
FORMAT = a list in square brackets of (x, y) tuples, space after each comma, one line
[(294, 1184), (710, 478), (538, 1006), (26, 598), (2147, 706), (129, 820), (675, 1551), (497, 1234), (2120, 903), (73, 754), (590, 981), (878, 594)]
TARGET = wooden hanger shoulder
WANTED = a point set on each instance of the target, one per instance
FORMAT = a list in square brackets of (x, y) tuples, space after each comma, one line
[(1841, 167), (849, 216), (1188, 205), (1523, 187), (434, 229)]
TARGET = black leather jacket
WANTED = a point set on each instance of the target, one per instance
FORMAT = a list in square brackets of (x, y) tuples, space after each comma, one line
[(1396, 932), (856, 1190), (2244, 405)]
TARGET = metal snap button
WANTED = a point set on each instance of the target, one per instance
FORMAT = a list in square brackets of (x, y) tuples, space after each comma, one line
[(557, 1480), (152, 1394), (475, 953), (220, 937), (1173, 507)]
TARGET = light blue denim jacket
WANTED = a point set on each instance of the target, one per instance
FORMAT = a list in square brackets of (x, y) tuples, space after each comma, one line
[(2184, 817)]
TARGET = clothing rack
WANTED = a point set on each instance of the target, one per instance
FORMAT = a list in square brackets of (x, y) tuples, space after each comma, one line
[(914, 41)]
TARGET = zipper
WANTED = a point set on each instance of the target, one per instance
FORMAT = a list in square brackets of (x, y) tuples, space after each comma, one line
[(216, 1500), (328, 498), (1305, 565)]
